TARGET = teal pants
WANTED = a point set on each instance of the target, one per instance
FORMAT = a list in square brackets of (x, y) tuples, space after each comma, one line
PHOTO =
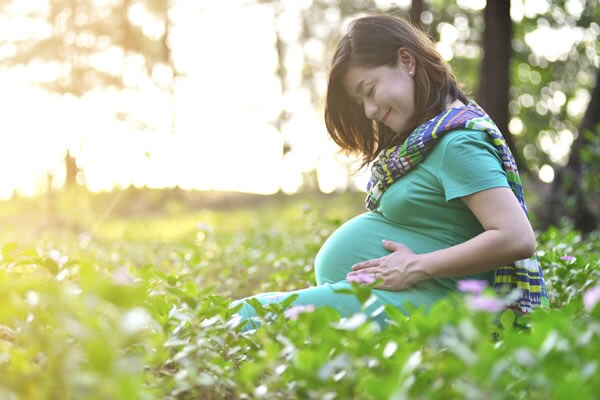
[(424, 293), (322, 295)]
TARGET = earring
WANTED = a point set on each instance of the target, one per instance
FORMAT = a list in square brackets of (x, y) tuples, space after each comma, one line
[(412, 73)]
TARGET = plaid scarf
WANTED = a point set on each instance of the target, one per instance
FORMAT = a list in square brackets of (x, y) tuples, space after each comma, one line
[(395, 162)]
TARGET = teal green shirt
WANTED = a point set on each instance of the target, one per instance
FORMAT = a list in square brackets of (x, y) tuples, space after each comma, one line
[(423, 211)]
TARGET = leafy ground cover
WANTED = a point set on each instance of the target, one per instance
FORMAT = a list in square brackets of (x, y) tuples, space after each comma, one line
[(101, 307)]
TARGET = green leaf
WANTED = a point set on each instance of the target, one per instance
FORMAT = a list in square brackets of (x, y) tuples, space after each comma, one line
[(172, 280), (507, 319), (343, 291), (50, 265), (395, 314), (30, 253), (7, 250)]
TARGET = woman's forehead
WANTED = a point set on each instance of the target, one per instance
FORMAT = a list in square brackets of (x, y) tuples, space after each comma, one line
[(355, 75)]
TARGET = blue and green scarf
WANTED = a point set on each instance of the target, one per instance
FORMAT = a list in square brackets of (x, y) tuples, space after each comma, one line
[(393, 163)]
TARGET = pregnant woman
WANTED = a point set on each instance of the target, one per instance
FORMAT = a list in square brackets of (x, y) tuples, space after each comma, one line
[(444, 201)]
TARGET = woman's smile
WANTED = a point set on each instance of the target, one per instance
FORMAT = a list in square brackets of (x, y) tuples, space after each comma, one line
[(386, 116)]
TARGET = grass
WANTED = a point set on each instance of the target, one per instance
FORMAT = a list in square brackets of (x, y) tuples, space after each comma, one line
[(126, 296)]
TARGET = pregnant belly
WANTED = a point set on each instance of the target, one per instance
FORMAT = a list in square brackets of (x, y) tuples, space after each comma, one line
[(360, 238)]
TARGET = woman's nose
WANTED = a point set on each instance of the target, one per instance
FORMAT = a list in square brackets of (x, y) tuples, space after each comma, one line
[(370, 109)]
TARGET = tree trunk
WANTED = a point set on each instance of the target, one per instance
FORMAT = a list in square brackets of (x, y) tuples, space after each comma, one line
[(416, 9), (494, 85), (71, 170), (568, 180)]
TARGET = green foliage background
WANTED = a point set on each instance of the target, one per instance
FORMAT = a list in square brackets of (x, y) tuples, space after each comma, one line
[(139, 309)]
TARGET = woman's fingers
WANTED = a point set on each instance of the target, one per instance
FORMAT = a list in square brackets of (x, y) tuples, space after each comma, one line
[(377, 262), (359, 266), (393, 246), (367, 264)]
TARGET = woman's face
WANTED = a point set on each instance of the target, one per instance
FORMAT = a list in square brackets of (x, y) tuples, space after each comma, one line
[(387, 94)]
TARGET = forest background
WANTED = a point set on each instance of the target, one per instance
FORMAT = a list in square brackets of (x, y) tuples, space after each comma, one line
[(107, 95)]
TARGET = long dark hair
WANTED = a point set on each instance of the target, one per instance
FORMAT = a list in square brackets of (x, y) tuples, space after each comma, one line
[(374, 41)]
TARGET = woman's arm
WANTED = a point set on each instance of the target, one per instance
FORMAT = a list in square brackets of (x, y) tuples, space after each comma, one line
[(507, 237)]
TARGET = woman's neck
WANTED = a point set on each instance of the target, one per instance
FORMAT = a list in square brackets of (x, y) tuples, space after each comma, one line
[(455, 103)]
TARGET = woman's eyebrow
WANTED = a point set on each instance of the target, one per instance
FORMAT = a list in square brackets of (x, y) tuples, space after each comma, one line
[(359, 87)]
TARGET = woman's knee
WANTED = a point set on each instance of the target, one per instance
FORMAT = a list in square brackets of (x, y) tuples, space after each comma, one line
[(247, 314)]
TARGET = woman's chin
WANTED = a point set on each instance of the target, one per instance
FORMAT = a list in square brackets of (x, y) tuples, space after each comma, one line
[(394, 128)]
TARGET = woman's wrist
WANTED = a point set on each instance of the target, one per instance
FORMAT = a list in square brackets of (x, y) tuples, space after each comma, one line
[(419, 267)]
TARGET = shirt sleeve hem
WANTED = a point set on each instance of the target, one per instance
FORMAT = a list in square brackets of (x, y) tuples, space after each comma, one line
[(474, 188)]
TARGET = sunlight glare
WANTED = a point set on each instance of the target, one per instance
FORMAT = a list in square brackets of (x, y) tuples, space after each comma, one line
[(332, 175), (223, 137), (475, 5), (139, 16), (383, 4), (577, 105), (553, 43), (291, 178), (562, 147), (533, 8), (546, 173), (445, 50), (515, 126)]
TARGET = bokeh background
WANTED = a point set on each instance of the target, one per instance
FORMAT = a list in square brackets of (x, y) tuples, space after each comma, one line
[(106, 96)]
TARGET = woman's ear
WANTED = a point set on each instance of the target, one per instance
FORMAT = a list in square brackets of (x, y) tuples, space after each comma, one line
[(406, 59)]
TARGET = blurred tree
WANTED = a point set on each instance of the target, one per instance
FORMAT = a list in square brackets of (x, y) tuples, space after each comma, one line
[(416, 9), (282, 75), (85, 44), (576, 185), (494, 82), (321, 23), (319, 28), (73, 47), (555, 59), (72, 170)]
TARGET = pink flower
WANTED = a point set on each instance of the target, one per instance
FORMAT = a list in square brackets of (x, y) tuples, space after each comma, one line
[(202, 226), (361, 277), (591, 298), (568, 258), (293, 312), (485, 303), (473, 286), (85, 238), (120, 276), (58, 258)]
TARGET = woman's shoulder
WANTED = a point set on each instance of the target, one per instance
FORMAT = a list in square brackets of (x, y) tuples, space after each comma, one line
[(463, 135), (463, 145)]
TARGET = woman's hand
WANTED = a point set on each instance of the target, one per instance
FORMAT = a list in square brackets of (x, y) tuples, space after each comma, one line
[(396, 271)]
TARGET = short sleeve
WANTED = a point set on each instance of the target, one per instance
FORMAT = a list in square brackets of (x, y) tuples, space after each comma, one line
[(470, 164)]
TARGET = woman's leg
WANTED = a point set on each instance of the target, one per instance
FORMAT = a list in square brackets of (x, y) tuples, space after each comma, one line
[(323, 295), (424, 294)]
